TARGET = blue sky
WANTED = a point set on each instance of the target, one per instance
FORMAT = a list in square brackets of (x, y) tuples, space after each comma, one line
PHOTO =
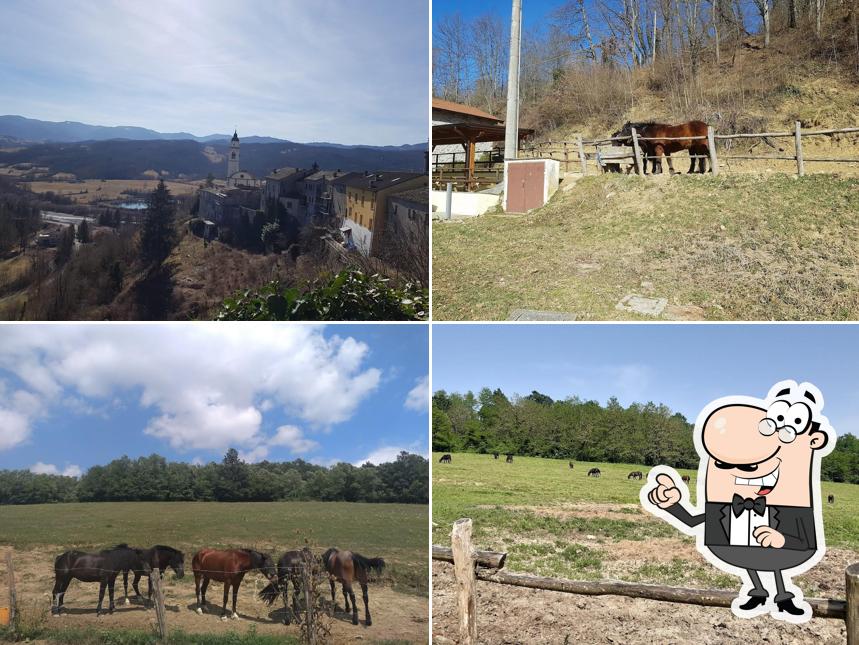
[(72, 396), (682, 366), (329, 70)]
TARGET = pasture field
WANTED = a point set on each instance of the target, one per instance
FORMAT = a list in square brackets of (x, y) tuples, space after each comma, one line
[(558, 522), (732, 247), (396, 532), (90, 191)]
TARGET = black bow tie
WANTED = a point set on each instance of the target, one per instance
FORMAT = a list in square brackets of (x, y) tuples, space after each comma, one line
[(739, 504)]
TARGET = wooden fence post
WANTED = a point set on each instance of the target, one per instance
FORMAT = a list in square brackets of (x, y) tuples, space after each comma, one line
[(711, 145), (307, 581), (13, 601), (800, 166), (463, 569), (582, 158), (637, 152), (566, 159), (158, 596), (852, 614)]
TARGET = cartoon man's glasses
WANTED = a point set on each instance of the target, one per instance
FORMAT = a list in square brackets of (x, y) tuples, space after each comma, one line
[(787, 419)]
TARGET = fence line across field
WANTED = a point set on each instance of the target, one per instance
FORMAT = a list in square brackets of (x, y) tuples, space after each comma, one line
[(471, 566)]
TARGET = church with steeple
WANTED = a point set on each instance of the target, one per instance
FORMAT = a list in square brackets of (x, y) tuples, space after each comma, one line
[(237, 178)]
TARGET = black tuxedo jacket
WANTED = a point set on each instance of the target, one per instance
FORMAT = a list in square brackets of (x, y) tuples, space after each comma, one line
[(796, 523)]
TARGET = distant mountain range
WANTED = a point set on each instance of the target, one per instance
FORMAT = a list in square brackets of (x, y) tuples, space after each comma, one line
[(21, 130)]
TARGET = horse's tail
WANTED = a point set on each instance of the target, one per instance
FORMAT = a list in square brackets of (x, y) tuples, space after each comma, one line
[(269, 593), (368, 564)]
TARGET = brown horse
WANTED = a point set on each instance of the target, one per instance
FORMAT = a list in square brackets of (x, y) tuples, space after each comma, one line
[(345, 566), (661, 139), (229, 567)]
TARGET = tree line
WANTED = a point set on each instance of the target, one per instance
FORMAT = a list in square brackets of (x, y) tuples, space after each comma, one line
[(538, 426), (587, 61), (154, 479)]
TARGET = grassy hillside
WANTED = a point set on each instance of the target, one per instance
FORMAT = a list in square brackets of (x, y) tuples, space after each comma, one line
[(740, 247)]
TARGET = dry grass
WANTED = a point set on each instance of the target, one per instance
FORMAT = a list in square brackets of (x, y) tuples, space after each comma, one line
[(726, 248), (107, 189)]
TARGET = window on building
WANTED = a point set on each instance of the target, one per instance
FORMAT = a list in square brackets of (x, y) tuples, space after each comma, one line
[(371, 224)]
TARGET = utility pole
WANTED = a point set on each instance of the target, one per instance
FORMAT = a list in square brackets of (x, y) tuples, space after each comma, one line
[(511, 134)]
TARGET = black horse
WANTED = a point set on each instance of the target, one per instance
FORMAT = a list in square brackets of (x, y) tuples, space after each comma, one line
[(572, 465), (831, 499), (289, 569), (159, 557), (495, 455), (635, 474), (102, 567), (445, 459), (594, 472), (509, 459)]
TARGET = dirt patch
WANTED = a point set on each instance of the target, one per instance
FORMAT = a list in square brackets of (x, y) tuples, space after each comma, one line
[(396, 616), (508, 614), (578, 509)]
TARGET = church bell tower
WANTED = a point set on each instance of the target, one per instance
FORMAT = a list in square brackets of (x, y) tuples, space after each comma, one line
[(233, 161)]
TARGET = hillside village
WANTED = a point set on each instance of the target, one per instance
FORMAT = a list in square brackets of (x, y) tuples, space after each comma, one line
[(371, 212)]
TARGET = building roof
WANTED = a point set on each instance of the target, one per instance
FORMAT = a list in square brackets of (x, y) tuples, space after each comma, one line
[(453, 133), (282, 173), (324, 174), (375, 181), (342, 180), (459, 108), (414, 195)]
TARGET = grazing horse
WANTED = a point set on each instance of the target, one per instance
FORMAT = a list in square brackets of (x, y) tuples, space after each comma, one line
[(345, 566), (635, 474), (495, 455), (101, 567), (686, 479), (228, 566), (509, 458), (594, 472), (445, 459), (831, 499), (159, 557), (289, 569), (572, 465), (661, 139)]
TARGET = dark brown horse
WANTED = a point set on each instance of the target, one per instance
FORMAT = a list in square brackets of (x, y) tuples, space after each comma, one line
[(228, 566), (635, 474), (659, 140), (344, 567), (445, 459), (101, 567), (686, 479), (289, 569)]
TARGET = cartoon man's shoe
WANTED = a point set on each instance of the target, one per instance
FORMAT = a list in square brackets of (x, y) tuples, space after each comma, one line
[(789, 607), (754, 601)]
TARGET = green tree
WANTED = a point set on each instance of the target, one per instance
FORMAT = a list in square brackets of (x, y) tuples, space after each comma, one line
[(83, 232), (158, 236)]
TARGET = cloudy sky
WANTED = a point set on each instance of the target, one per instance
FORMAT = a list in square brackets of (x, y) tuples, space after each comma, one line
[(329, 70), (72, 396), (683, 366)]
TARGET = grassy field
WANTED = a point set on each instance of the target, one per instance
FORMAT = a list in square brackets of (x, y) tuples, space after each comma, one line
[(741, 247), (396, 532), (95, 190), (558, 522)]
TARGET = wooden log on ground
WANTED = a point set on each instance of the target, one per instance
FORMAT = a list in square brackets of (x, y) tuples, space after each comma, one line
[(158, 599), (823, 607), (488, 559), (463, 569), (851, 576)]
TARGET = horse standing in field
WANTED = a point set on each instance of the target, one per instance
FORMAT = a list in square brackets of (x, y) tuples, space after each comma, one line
[(635, 474), (572, 465), (509, 459), (831, 499), (661, 139), (346, 566), (594, 472), (159, 557), (101, 567), (445, 459), (686, 479), (495, 455), (289, 569), (228, 566)]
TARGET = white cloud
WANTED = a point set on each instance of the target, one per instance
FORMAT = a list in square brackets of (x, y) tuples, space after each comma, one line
[(40, 468), (293, 438), (207, 385), (418, 397), (254, 454), (381, 455)]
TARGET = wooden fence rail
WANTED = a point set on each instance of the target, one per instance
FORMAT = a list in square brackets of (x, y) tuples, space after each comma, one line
[(466, 571), (574, 152)]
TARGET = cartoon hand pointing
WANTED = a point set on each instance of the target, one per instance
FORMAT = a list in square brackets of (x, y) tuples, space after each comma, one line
[(666, 492)]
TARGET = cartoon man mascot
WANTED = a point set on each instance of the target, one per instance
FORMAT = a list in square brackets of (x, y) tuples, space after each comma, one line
[(759, 513)]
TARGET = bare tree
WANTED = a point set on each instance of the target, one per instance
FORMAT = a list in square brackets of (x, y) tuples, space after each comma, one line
[(763, 7), (452, 60), (489, 54)]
